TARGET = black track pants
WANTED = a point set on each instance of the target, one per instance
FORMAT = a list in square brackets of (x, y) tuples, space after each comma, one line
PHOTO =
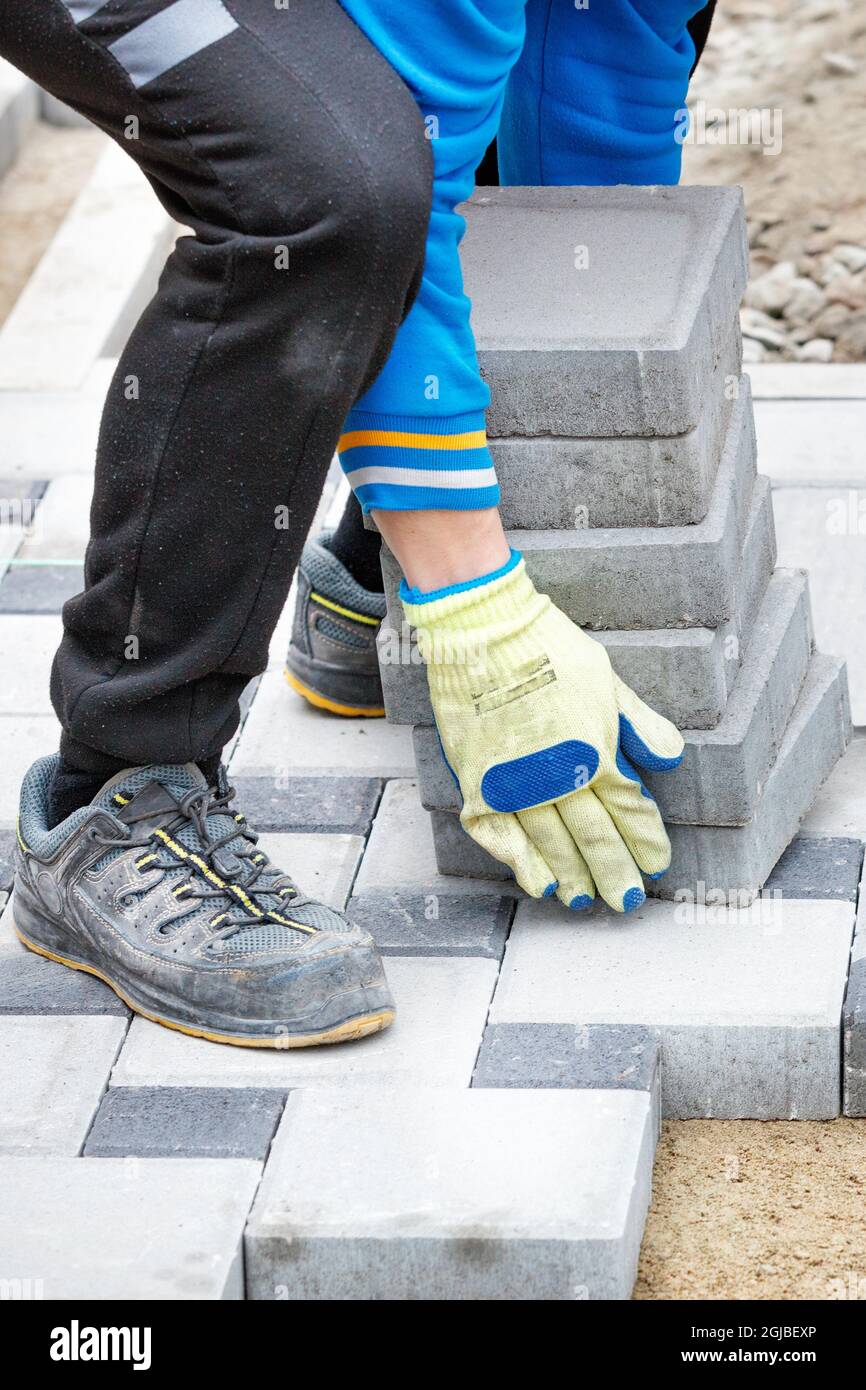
[(298, 158)]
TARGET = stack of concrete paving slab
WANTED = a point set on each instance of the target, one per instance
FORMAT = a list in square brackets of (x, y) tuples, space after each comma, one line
[(622, 431)]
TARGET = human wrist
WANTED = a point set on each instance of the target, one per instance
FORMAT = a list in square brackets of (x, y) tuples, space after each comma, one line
[(490, 600), (438, 549)]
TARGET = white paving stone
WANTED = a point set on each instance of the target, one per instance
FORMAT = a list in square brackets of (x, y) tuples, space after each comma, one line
[(126, 1228), (324, 866), (279, 643), (799, 443), (840, 806), (47, 433), (283, 733), (808, 381), (88, 286), (10, 945), (441, 1009), (336, 498), (823, 530), (419, 1194), (19, 104), (23, 739), (400, 851), (28, 642), (61, 525), (53, 1071), (11, 536), (747, 1002)]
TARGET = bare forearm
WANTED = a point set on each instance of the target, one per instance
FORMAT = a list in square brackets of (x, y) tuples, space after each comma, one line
[(435, 549)]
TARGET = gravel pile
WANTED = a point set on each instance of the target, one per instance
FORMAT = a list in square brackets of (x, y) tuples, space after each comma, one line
[(809, 310), (799, 66)]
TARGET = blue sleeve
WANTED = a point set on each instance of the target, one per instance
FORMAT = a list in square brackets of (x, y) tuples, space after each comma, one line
[(416, 439)]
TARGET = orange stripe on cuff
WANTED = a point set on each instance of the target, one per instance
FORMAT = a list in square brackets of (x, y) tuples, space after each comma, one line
[(355, 439)]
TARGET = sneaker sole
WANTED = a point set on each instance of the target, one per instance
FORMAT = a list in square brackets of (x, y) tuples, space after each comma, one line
[(359, 1027), (333, 706)]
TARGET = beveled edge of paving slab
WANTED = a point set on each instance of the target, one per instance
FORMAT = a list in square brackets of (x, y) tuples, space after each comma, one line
[(724, 769), (464, 1194), (583, 378), (680, 579)]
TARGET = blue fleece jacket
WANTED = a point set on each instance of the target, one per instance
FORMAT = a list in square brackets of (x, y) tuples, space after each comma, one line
[(578, 93)]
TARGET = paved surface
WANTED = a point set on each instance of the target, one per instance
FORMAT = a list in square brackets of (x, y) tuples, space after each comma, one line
[(501, 1134)]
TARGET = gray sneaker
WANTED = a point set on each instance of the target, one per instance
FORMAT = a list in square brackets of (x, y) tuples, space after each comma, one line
[(158, 888), (332, 657)]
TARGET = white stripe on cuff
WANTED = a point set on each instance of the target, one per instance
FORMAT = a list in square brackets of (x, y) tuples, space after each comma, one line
[(458, 479)]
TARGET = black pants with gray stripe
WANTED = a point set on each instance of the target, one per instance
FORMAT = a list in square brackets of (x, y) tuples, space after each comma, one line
[(295, 154)]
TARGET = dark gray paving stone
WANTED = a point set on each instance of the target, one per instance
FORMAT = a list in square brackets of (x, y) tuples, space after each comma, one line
[(33, 985), (187, 1121), (340, 805), (562, 1055), (406, 924), (854, 1041), (816, 866), (7, 859), (39, 588)]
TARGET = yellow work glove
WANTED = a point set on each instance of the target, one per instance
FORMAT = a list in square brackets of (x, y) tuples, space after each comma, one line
[(542, 738)]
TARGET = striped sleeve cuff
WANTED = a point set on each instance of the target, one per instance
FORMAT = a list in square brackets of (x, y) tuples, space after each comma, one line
[(400, 463)]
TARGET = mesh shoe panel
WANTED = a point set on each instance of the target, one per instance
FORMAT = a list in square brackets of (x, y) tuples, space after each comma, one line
[(329, 576)]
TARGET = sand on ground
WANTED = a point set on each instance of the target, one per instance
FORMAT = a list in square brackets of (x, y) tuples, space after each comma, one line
[(757, 1209)]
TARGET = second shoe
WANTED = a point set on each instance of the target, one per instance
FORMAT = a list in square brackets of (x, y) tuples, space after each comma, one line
[(332, 659)]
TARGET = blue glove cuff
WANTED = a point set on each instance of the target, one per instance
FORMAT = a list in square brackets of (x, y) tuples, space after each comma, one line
[(414, 595)]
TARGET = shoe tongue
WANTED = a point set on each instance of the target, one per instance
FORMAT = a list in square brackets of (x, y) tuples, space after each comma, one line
[(148, 796), (158, 779), (152, 801)]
